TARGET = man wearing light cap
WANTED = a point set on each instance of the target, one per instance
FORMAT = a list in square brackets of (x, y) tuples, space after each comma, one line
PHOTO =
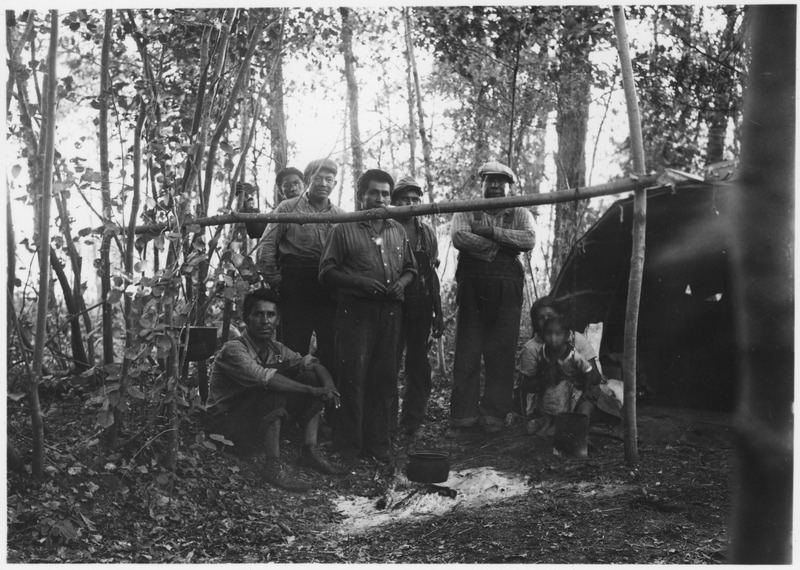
[(422, 309), (288, 260), (370, 264), (490, 282)]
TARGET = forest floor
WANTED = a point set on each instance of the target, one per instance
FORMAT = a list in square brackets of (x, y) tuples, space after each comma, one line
[(516, 500)]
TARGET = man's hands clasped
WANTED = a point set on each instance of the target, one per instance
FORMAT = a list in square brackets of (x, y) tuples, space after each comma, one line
[(328, 394)]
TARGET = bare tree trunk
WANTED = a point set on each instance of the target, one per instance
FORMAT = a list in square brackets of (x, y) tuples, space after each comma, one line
[(352, 96), (718, 120), (79, 358), (105, 188), (410, 88), (637, 244), (222, 124), (278, 140), (16, 67), (572, 121), (76, 263), (426, 143), (48, 135), (11, 270), (763, 277)]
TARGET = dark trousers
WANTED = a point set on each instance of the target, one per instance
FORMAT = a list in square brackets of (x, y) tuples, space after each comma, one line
[(416, 331), (367, 334), (307, 307), (246, 421), (488, 327)]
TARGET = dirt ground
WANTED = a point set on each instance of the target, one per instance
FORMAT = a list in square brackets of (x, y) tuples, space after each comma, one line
[(518, 501)]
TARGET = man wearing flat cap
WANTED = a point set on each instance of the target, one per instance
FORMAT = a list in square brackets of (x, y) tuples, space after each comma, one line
[(422, 309), (490, 281), (288, 260), (370, 264)]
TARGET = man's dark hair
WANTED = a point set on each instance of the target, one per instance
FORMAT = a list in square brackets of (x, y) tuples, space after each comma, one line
[(548, 301), (253, 297), (376, 175), (284, 172)]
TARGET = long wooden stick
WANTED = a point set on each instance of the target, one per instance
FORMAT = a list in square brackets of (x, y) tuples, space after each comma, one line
[(617, 187), (637, 244), (48, 134)]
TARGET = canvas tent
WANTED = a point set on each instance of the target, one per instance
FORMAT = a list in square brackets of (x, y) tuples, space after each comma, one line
[(686, 348)]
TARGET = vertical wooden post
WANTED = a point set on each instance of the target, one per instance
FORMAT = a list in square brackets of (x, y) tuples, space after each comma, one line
[(637, 243)]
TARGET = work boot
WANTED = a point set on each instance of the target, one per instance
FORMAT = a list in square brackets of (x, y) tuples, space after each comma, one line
[(277, 475), (312, 457)]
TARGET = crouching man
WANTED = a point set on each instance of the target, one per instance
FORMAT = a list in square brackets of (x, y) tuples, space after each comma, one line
[(257, 383)]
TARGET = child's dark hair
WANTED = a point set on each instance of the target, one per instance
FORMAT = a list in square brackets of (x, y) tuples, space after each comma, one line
[(557, 320), (546, 302), (251, 298)]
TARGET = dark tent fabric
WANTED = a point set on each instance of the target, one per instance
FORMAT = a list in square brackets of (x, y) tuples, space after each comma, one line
[(686, 348)]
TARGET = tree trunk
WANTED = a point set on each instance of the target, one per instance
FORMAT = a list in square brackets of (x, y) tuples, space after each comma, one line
[(410, 87), (16, 67), (426, 143), (76, 263), (105, 189), (637, 244), (231, 98), (352, 96), (763, 278), (11, 270), (718, 120), (574, 92), (79, 358), (278, 140), (48, 135)]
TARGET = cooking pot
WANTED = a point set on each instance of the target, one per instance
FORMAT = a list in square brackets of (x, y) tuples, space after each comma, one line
[(428, 466)]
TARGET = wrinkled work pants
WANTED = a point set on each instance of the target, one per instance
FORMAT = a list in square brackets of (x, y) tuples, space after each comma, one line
[(489, 304), (306, 307), (367, 335), (416, 332), (245, 423)]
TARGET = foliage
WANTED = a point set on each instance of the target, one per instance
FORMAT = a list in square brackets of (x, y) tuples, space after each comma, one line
[(690, 77)]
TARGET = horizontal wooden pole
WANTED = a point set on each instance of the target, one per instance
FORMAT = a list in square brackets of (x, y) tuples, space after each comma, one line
[(615, 187)]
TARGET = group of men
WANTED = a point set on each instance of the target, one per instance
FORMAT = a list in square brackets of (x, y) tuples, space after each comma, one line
[(365, 291)]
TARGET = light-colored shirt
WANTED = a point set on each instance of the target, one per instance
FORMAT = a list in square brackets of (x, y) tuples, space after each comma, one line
[(243, 364), (355, 248), (304, 241), (518, 238)]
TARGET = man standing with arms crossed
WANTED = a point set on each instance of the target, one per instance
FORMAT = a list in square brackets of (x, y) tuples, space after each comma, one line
[(370, 264), (289, 258), (490, 282)]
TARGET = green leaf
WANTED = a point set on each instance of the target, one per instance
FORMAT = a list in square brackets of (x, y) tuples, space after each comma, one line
[(105, 418), (134, 392)]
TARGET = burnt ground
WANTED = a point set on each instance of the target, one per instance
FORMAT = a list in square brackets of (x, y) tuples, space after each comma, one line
[(98, 506)]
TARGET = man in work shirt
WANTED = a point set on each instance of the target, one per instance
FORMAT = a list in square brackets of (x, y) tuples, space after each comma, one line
[(370, 264), (256, 383), (289, 261), (422, 309), (289, 181), (490, 281)]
